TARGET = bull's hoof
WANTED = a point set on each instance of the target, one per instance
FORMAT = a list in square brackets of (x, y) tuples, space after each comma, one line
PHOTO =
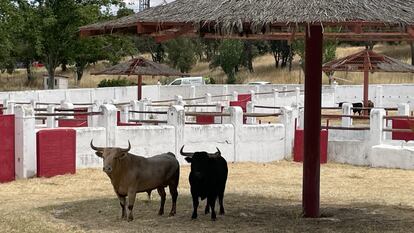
[(171, 214), (213, 216), (207, 211), (161, 212), (194, 216), (221, 212), (130, 218)]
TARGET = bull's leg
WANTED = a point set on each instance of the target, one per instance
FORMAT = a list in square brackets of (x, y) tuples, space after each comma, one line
[(149, 195), (161, 191), (131, 201), (207, 209), (211, 201), (195, 206), (122, 202), (174, 195), (220, 197)]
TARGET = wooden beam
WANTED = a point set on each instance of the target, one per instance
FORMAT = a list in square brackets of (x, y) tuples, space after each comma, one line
[(410, 31)]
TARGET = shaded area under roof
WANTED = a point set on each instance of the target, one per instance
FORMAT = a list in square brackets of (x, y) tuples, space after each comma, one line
[(376, 63), (140, 66)]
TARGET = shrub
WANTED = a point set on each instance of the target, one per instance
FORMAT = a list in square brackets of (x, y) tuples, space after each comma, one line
[(114, 82)]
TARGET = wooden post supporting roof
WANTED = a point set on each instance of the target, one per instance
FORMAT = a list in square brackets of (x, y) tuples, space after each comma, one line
[(313, 89)]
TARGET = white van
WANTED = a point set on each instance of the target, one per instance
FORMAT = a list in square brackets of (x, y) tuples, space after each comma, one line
[(188, 81)]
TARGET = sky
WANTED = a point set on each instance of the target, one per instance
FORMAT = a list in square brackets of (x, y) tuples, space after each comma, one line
[(133, 4)]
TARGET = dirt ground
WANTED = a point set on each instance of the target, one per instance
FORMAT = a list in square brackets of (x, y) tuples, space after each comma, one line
[(259, 198)]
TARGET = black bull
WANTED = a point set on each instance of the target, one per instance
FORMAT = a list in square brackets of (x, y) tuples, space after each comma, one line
[(207, 178)]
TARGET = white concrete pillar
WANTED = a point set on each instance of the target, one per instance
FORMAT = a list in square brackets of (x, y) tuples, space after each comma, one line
[(236, 119), (93, 121), (234, 96), (134, 107), (51, 120), (124, 115), (108, 121), (289, 123), (226, 92), (403, 109), (253, 96), (92, 96), (275, 98), (25, 142), (207, 98), (284, 89), (159, 92), (33, 103), (250, 109), (257, 89), (346, 110), (142, 106), (192, 93), (179, 100), (217, 119), (334, 90), (67, 96), (378, 96), (10, 107), (67, 105), (301, 118), (176, 118), (297, 92), (377, 126)]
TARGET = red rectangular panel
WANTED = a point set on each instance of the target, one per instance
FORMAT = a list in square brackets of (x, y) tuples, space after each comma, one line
[(7, 169), (72, 123), (204, 120), (402, 124), (56, 152), (298, 146)]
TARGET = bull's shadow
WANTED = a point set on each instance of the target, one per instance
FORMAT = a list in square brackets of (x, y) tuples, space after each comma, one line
[(244, 213)]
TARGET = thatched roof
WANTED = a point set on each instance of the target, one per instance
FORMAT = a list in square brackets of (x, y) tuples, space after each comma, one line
[(233, 13), (376, 63), (140, 66)]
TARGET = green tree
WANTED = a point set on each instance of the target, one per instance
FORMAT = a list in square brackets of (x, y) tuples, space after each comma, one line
[(282, 53), (181, 54), (228, 58), (59, 25), (8, 24), (147, 44)]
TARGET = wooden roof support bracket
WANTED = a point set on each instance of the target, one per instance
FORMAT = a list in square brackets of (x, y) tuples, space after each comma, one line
[(410, 31), (357, 28)]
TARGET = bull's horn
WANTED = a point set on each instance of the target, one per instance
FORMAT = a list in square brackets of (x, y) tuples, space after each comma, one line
[(127, 149), (94, 147), (184, 153), (218, 151), (215, 155)]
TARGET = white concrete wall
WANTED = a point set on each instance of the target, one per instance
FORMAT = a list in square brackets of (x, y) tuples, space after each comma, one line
[(392, 93), (261, 143), (85, 156), (208, 137), (350, 152), (393, 156), (147, 141)]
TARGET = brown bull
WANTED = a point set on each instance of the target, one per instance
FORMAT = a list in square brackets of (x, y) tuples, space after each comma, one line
[(131, 174)]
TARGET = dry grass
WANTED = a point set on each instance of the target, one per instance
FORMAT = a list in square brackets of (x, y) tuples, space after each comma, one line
[(259, 198), (263, 66)]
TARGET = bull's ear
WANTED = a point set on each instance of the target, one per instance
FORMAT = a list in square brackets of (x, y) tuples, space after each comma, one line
[(99, 154), (188, 159), (122, 156)]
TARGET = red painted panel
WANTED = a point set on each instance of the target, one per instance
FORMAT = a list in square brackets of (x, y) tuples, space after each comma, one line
[(56, 152), (298, 146), (72, 123), (77, 110), (204, 120), (7, 169), (402, 124)]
